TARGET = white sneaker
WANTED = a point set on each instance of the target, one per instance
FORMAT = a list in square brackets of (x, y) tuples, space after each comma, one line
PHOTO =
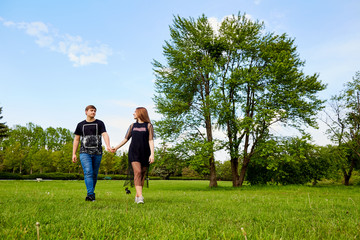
[(136, 199), (140, 200)]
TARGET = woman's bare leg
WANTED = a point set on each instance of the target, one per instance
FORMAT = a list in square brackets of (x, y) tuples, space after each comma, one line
[(138, 178), (143, 175)]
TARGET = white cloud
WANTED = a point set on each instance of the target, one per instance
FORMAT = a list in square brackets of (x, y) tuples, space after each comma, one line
[(78, 51), (257, 2), (34, 29), (215, 23)]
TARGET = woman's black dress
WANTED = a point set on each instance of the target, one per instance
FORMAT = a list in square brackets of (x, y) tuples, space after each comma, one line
[(139, 150)]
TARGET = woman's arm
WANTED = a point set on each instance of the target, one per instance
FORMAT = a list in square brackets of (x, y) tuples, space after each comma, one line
[(126, 139), (151, 158), (120, 144)]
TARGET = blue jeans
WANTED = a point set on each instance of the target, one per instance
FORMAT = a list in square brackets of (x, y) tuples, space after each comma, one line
[(90, 164)]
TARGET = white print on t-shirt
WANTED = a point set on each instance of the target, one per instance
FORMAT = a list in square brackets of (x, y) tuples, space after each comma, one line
[(91, 140), (139, 129)]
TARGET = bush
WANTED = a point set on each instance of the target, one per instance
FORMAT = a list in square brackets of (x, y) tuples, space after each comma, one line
[(56, 176), (355, 178), (189, 172), (112, 177), (258, 174), (187, 178), (154, 178), (6, 175), (223, 170)]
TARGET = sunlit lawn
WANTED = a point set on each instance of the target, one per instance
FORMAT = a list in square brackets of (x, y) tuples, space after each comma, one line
[(178, 210)]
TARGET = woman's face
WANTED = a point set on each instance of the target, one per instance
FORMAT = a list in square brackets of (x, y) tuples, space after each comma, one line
[(135, 115)]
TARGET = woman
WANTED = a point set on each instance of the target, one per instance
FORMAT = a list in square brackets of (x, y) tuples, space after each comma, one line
[(141, 150)]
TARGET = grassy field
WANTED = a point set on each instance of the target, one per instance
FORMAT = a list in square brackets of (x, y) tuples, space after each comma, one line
[(178, 210)]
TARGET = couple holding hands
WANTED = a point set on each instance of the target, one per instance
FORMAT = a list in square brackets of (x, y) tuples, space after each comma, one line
[(141, 151)]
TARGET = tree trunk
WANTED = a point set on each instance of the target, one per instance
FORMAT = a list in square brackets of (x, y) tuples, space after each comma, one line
[(213, 181), (235, 172), (243, 171), (347, 176), (346, 180)]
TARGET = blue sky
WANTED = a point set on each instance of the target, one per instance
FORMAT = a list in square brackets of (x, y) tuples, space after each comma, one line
[(56, 57)]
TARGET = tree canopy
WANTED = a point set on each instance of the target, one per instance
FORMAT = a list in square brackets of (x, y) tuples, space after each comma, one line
[(343, 121), (3, 128), (236, 77)]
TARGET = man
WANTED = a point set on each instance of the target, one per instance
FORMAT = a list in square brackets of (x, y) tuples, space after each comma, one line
[(89, 133)]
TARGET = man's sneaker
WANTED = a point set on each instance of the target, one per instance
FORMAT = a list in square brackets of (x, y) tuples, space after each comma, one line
[(140, 200), (90, 198)]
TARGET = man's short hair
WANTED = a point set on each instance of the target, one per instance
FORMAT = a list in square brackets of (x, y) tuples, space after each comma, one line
[(90, 107)]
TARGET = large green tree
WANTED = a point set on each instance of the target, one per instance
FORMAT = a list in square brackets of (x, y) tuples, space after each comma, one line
[(343, 121), (237, 77), (261, 84), (3, 133), (3, 128), (185, 84)]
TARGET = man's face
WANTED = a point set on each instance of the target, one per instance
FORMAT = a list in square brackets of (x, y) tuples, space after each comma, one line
[(91, 112)]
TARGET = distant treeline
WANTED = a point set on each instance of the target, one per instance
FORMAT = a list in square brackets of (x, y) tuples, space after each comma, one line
[(31, 151)]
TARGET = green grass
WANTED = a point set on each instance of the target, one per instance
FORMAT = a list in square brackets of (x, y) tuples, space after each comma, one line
[(178, 210)]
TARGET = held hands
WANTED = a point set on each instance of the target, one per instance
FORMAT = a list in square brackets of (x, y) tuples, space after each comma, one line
[(113, 150)]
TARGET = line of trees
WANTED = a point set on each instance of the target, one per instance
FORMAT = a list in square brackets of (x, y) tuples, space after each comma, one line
[(31, 149), (3, 128), (296, 160)]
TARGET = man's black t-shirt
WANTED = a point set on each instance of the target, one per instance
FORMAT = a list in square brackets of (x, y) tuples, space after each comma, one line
[(90, 136)]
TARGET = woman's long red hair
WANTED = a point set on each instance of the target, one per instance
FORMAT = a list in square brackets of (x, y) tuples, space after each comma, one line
[(142, 114)]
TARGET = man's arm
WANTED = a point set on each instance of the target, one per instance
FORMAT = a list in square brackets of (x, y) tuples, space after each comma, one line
[(75, 147), (107, 141)]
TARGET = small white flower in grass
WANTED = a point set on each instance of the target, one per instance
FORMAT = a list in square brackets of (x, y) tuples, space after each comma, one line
[(244, 233), (38, 230)]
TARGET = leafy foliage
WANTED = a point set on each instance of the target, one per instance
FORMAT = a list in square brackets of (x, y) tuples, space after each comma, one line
[(343, 121), (291, 161), (185, 85), (239, 78), (3, 128)]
